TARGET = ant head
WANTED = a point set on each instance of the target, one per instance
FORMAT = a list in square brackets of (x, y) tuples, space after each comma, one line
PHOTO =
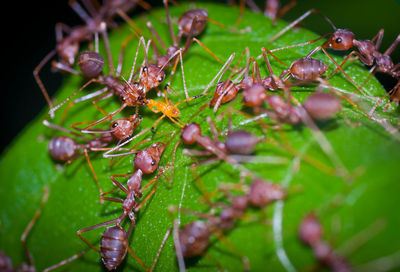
[(194, 238), (152, 76), (341, 39), (123, 128), (67, 50), (310, 230), (254, 96), (193, 20), (190, 132), (241, 142), (90, 63), (147, 159)]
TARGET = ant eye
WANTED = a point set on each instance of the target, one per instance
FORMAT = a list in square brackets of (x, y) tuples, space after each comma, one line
[(160, 79), (153, 162), (338, 40), (123, 98), (144, 70), (114, 125)]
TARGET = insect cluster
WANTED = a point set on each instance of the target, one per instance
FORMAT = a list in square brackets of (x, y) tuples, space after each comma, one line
[(147, 125)]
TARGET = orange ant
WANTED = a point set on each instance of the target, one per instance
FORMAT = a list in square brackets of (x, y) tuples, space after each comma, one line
[(167, 108), (5, 261)]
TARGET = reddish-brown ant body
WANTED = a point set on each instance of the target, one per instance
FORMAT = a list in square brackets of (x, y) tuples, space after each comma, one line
[(343, 39), (238, 142), (310, 233), (65, 149), (5, 261), (146, 162), (67, 47), (91, 64), (194, 238), (190, 24)]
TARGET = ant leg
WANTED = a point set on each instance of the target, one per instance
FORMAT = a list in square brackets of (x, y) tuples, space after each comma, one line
[(214, 129), (59, 66), (70, 259), (131, 23), (79, 232), (207, 49), (103, 32), (283, 10), (121, 54), (135, 256), (155, 35), (171, 30), (381, 99), (245, 260), (94, 176), (39, 81), (53, 126), (301, 18), (31, 224), (378, 37), (332, 89), (109, 116), (220, 73), (143, 43), (393, 46), (344, 73), (108, 155), (80, 11), (156, 123), (160, 249), (53, 109)]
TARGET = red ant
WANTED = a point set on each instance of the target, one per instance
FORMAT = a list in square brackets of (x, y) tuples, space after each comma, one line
[(254, 93), (343, 39), (310, 233), (67, 46), (146, 161), (5, 261), (237, 144), (91, 66), (65, 149), (190, 24), (194, 238)]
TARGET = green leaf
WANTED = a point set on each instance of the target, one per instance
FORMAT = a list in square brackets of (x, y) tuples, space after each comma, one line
[(268, 237)]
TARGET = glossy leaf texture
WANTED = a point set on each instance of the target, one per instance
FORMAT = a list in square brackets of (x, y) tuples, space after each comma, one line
[(358, 210)]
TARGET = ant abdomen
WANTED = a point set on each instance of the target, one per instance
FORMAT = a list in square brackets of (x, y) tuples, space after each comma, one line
[(321, 106), (112, 246), (307, 69), (62, 148), (241, 142), (263, 193), (194, 238), (190, 17), (190, 133), (90, 63)]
